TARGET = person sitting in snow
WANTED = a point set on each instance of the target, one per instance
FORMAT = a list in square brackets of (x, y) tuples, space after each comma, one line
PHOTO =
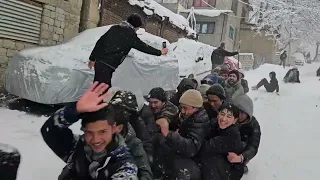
[(216, 97), (269, 86), (127, 103), (184, 85), (233, 87), (159, 108), (113, 47), (244, 82), (213, 78), (292, 76), (250, 136), (219, 54), (183, 138), (98, 154), (9, 162), (223, 137)]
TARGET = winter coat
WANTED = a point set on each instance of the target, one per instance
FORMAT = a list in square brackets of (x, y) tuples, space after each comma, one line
[(291, 79), (273, 85), (218, 55), (188, 140), (250, 129), (113, 47), (70, 148), (283, 56), (233, 91), (183, 86), (139, 155), (244, 84), (214, 151), (213, 79), (9, 162)]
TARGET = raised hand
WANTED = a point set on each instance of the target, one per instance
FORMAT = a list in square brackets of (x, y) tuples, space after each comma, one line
[(91, 101)]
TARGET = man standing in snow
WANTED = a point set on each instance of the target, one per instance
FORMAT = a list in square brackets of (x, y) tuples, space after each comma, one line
[(113, 47), (218, 55), (283, 58)]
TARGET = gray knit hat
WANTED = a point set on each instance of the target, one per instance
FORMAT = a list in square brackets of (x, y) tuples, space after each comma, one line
[(217, 90)]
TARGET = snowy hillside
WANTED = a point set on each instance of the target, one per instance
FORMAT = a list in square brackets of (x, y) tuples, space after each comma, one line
[(289, 124)]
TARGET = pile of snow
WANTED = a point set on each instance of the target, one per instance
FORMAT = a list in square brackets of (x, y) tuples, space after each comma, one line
[(188, 51), (289, 125), (206, 12), (298, 56), (151, 7)]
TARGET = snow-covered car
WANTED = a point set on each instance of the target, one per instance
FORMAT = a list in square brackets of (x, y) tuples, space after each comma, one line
[(59, 74), (298, 59), (195, 58)]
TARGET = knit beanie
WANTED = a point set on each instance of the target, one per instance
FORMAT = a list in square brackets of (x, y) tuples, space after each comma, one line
[(135, 20), (158, 93), (203, 89), (235, 72), (217, 90), (192, 98)]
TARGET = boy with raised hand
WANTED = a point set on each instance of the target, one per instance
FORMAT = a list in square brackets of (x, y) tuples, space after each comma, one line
[(97, 154)]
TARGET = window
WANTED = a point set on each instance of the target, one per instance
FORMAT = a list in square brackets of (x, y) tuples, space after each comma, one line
[(204, 3), (243, 15), (231, 32), (205, 28), (234, 6)]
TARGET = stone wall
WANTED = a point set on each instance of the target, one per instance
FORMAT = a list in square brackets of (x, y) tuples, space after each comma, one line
[(60, 22)]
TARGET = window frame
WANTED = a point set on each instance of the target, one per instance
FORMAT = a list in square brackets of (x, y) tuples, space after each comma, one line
[(204, 5), (233, 35), (208, 23)]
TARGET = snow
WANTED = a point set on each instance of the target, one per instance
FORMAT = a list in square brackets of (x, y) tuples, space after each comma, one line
[(289, 125), (298, 56), (152, 7), (206, 12)]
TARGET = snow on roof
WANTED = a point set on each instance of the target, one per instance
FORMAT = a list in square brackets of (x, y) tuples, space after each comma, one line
[(151, 7), (207, 12)]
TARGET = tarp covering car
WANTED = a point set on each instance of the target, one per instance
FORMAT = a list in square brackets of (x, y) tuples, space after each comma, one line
[(59, 74)]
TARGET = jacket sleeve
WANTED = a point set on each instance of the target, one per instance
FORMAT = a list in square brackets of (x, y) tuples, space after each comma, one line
[(238, 92), (140, 158), (227, 53), (277, 87), (190, 146), (287, 74), (143, 47), (169, 112), (298, 77), (56, 133), (127, 170), (97, 48), (253, 144)]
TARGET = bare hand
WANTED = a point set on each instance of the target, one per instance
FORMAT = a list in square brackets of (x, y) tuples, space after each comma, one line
[(91, 100), (164, 51), (164, 125), (234, 158), (91, 64)]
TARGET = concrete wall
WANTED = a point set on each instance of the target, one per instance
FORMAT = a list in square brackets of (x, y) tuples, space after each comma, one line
[(60, 22), (261, 46)]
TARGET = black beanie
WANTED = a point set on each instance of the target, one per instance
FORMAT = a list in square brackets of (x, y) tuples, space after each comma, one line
[(217, 90), (135, 20), (158, 93), (236, 72)]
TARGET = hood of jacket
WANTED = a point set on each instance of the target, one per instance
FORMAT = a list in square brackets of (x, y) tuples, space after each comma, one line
[(244, 103), (185, 84)]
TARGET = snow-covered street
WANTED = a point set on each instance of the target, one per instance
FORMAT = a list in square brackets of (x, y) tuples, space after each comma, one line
[(289, 125)]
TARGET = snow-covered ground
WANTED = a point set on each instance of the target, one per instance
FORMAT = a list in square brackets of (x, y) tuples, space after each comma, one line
[(289, 124)]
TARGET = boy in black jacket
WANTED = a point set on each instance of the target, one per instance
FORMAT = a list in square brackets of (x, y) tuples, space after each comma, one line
[(223, 136), (270, 87), (100, 153)]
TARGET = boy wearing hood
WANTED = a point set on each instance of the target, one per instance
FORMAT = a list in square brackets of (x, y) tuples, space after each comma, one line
[(292, 76), (250, 136), (184, 85), (269, 86), (184, 137), (233, 86), (100, 153), (244, 83)]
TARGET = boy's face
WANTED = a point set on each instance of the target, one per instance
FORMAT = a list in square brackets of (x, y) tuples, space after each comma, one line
[(226, 119), (224, 76), (214, 101), (156, 105), (99, 134)]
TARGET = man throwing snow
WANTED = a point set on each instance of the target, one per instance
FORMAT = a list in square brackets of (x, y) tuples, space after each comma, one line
[(113, 47)]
